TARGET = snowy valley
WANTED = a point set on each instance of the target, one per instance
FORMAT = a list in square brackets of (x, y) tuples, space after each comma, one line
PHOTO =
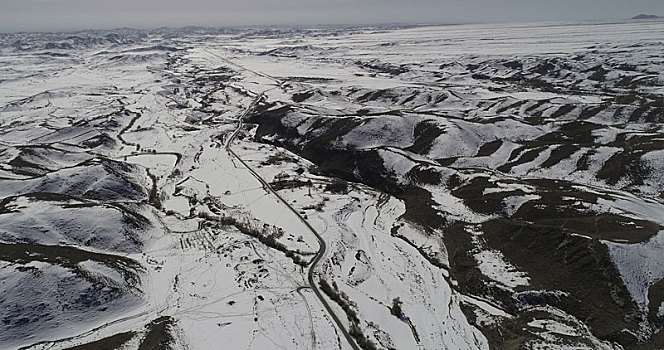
[(444, 187)]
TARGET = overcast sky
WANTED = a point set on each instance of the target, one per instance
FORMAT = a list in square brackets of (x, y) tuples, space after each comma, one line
[(40, 15)]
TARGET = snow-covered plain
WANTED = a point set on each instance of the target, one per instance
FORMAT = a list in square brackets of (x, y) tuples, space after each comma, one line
[(131, 187)]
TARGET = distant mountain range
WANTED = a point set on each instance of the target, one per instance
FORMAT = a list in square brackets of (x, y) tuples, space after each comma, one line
[(644, 16)]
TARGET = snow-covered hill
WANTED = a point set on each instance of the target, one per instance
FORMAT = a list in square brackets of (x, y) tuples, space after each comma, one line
[(460, 187)]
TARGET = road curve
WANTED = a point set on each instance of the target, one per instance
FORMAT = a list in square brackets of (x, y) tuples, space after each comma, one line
[(322, 245)]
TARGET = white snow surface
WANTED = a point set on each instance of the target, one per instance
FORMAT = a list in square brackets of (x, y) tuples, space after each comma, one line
[(226, 288), (639, 266)]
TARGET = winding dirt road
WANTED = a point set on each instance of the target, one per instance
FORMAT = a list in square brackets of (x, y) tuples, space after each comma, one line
[(322, 245)]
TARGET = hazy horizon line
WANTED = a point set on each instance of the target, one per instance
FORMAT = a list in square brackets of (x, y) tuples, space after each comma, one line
[(324, 25)]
